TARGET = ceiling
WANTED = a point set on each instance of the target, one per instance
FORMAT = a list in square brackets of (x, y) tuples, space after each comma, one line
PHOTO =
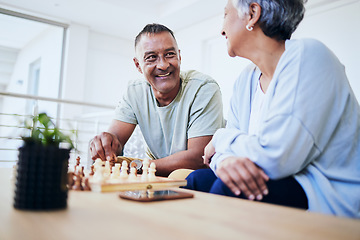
[(122, 18)]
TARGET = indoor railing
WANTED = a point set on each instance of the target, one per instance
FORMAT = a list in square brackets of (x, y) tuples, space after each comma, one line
[(84, 120)]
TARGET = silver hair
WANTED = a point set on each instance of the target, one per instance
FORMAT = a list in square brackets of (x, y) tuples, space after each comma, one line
[(279, 18)]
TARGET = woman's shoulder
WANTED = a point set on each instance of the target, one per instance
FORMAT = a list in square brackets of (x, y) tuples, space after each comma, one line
[(308, 46)]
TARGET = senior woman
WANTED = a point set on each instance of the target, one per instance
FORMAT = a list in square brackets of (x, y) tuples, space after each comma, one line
[(293, 131)]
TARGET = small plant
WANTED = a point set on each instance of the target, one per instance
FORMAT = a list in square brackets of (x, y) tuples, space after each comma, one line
[(44, 131)]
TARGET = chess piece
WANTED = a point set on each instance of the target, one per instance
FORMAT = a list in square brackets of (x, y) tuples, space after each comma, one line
[(97, 164), (115, 171), (77, 163), (107, 169), (86, 185), (99, 171), (152, 170), (124, 169), (132, 175), (78, 179), (145, 167), (91, 170)]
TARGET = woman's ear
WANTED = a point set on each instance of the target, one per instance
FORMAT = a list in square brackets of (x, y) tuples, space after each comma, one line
[(254, 13)]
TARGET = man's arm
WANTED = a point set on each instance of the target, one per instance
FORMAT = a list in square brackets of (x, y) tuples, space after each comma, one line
[(110, 144), (190, 158)]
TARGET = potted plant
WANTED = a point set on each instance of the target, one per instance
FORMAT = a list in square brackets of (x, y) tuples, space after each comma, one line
[(41, 179)]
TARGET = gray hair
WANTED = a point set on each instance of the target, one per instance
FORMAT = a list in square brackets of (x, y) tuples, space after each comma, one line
[(153, 29), (279, 18)]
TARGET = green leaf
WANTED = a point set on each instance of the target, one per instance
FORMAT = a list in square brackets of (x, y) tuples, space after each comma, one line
[(43, 130)]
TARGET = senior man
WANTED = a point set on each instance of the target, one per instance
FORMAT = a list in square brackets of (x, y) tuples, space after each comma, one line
[(177, 112)]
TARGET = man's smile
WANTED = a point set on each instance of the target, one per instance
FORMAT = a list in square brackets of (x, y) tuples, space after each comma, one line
[(164, 75)]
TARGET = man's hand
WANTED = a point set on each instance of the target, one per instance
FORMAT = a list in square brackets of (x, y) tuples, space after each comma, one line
[(104, 146), (209, 151), (240, 174)]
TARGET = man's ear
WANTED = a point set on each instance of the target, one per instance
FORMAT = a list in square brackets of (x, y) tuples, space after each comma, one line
[(254, 14), (137, 65), (179, 56)]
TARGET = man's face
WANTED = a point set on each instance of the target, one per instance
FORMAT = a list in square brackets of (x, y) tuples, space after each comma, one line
[(158, 58)]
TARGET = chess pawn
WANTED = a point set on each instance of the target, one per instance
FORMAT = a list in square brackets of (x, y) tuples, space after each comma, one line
[(78, 179), (115, 171), (124, 169), (145, 167), (152, 170), (144, 175), (132, 176), (107, 169), (86, 185)]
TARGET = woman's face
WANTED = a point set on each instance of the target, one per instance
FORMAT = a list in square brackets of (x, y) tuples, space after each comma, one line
[(234, 30)]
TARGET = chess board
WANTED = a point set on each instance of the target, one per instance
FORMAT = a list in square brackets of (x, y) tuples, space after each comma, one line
[(112, 185)]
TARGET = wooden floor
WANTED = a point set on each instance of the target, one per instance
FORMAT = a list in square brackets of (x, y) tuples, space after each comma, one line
[(103, 216)]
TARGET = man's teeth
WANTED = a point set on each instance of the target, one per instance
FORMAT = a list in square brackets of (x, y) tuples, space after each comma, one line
[(164, 75)]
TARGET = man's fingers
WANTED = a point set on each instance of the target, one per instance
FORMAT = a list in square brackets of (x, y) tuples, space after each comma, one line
[(98, 148), (93, 152)]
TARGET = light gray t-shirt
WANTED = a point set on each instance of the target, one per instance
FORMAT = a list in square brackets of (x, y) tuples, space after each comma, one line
[(196, 111)]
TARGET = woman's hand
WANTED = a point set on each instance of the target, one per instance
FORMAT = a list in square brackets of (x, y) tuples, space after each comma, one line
[(240, 174)]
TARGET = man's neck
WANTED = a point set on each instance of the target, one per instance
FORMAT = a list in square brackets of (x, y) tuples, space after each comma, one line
[(164, 99)]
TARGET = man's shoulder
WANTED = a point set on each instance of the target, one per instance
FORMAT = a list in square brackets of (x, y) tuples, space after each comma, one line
[(193, 76), (137, 84)]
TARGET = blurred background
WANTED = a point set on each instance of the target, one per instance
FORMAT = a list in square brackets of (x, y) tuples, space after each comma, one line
[(73, 58)]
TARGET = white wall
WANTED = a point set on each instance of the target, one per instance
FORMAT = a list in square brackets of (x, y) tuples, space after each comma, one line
[(108, 66), (204, 49)]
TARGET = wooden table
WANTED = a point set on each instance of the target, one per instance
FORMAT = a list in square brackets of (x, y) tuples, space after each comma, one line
[(105, 216)]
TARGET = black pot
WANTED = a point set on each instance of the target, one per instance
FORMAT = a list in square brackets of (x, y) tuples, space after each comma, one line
[(41, 180)]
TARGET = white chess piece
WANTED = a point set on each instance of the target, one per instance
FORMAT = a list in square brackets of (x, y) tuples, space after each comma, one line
[(152, 170), (124, 169), (145, 167), (115, 171), (132, 175), (107, 169), (99, 174)]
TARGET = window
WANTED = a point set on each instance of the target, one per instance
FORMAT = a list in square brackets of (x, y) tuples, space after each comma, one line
[(31, 64)]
